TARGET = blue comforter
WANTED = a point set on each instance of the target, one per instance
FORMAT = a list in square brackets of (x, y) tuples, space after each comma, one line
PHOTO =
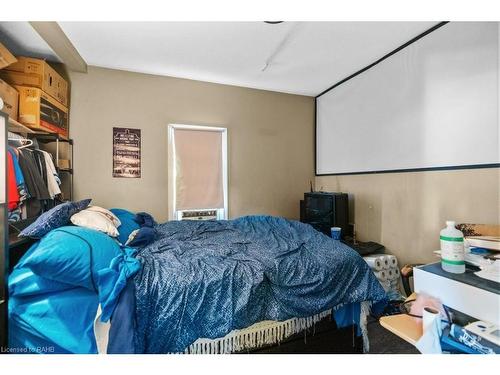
[(56, 287), (204, 279)]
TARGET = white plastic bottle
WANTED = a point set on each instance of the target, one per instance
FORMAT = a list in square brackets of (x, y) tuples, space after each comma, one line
[(452, 249)]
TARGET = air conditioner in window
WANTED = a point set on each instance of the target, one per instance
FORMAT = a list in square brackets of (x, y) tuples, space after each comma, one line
[(200, 214)]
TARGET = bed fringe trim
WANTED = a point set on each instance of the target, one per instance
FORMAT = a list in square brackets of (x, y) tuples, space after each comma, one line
[(258, 336), (252, 338), (363, 321)]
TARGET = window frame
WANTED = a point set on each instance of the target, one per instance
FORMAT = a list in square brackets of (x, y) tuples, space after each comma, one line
[(173, 213)]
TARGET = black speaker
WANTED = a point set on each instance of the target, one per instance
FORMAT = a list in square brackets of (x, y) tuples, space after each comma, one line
[(324, 210)]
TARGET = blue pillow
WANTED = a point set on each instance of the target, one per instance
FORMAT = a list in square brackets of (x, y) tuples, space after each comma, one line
[(54, 218), (71, 255), (129, 224), (145, 220), (23, 282)]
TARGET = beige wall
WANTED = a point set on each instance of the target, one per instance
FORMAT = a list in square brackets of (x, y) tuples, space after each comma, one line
[(271, 155), (270, 139), (406, 211)]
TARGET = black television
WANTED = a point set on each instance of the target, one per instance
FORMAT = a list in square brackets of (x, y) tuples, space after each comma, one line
[(323, 210)]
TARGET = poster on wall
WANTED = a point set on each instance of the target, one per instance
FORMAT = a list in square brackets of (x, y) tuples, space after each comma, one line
[(126, 152)]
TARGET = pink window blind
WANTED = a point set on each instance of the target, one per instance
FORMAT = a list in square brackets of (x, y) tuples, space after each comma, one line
[(198, 163)]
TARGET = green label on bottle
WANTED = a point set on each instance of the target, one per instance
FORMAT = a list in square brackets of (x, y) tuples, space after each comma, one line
[(454, 262), (453, 239)]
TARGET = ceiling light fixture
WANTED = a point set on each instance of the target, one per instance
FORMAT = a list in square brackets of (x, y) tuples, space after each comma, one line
[(273, 22)]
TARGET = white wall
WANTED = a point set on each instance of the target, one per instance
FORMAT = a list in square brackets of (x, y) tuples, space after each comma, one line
[(406, 211), (432, 104)]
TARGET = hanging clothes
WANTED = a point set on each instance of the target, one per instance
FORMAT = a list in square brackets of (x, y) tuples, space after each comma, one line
[(21, 187), (40, 163), (53, 180), (12, 193), (16, 214), (32, 176), (40, 198)]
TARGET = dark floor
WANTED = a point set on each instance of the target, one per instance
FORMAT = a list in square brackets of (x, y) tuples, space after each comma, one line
[(384, 342)]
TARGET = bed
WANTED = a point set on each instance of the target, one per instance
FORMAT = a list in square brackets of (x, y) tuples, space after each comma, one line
[(253, 284)]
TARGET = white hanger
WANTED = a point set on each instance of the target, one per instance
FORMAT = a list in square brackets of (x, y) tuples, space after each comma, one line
[(28, 143)]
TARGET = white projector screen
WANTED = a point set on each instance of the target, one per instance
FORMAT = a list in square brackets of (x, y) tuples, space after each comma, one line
[(433, 104)]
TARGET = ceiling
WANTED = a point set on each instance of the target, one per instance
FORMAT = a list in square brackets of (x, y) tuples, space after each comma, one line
[(21, 39), (293, 57)]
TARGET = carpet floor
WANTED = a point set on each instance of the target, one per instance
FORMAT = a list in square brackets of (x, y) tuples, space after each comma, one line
[(384, 342)]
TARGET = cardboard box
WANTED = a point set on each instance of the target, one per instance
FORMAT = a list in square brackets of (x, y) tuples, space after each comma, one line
[(40, 111), (64, 164), (10, 99), (6, 58), (33, 72)]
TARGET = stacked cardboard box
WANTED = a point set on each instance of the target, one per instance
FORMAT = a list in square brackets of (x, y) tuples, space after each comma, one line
[(10, 98), (43, 94), (40, 111), (6, 58), (8, 94)]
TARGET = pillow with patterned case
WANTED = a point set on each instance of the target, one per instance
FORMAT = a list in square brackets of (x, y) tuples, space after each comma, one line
[(111, 216), (95, 220), (54, 218)]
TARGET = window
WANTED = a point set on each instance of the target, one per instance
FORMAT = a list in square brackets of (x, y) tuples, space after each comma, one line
[(197, 173)]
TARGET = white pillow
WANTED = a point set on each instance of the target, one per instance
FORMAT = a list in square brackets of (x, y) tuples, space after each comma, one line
[(106, 212), (95, 220)]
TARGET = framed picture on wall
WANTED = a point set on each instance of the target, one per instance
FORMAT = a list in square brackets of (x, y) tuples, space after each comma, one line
[(126, 152)]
